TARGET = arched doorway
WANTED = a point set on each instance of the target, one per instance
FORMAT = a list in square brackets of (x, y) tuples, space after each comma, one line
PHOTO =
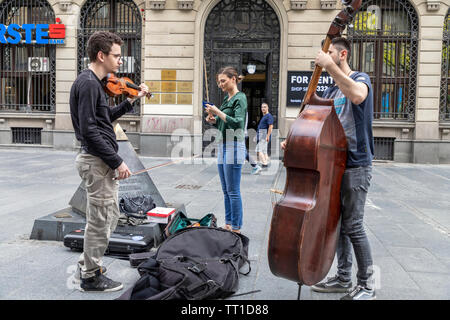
[(121, 17), (384, 38), (240, 33)]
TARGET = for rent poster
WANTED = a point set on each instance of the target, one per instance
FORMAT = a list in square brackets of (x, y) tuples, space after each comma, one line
[(298, 82)]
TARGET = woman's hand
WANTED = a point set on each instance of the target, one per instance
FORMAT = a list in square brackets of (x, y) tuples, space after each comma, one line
[(212, 109), (210, 119)]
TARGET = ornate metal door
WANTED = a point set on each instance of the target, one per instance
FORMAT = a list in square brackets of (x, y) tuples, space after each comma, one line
[(234, 31)]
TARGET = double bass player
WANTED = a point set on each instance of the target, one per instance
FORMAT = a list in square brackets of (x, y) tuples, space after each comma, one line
[(353, 102)]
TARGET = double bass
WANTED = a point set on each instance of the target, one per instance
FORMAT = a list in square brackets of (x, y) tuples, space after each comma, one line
[(305, 222)]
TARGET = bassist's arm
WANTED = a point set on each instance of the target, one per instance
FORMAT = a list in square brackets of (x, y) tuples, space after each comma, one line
[(355, 91)]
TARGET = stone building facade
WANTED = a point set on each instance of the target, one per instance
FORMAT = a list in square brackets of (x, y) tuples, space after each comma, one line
[(176, 46)]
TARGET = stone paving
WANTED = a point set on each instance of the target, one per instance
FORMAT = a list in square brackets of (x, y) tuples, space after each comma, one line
[(407, 220)]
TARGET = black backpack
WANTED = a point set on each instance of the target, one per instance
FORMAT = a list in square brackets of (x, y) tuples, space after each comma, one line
[(193, 264)]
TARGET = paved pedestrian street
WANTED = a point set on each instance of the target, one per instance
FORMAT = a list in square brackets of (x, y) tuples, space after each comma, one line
[(407, 220)]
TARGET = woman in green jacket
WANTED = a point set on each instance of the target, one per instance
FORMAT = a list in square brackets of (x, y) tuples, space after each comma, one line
[(229, 119)]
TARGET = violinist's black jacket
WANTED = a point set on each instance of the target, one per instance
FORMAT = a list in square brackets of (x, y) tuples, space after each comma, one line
[(92, 118)]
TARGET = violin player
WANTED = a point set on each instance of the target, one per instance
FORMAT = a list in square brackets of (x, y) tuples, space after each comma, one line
[(98, 163)]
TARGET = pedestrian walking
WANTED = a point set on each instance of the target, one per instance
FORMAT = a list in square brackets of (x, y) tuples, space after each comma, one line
[(265, 128)]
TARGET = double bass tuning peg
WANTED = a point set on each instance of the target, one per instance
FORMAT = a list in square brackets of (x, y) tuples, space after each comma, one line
[(349, 10)]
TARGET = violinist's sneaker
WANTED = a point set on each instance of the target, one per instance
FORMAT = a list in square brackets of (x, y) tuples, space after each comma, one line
[(332, 285), (100, 283), (360, 293), (76, 279)]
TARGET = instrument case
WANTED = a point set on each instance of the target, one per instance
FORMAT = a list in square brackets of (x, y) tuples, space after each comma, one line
[(120, 244)]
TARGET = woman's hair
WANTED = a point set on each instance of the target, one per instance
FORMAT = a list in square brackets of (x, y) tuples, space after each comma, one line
[(230, 72), (101, 41)]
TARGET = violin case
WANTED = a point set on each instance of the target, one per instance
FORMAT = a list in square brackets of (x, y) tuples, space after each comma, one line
[(121, 245)]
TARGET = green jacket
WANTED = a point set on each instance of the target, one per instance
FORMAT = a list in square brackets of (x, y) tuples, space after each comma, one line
[(236, 110)]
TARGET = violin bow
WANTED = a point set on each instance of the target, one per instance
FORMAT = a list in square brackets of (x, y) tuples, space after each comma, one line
[(161, 165)]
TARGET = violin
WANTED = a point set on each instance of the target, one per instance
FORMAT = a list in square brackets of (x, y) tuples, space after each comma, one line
[(118, 86)]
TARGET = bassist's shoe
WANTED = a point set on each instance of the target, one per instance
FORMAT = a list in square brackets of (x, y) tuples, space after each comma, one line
[(332, 285), (360, 293)]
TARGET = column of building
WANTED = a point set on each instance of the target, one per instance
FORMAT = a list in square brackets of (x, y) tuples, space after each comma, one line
[(66, 73), (428, 147), (169, 73)]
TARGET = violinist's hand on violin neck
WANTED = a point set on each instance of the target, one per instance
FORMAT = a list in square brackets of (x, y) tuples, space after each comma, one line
[(144, 91)]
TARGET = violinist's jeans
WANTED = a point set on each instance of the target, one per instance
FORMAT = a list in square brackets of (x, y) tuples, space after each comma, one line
[(354, 188), (230, 158), (102, 211)]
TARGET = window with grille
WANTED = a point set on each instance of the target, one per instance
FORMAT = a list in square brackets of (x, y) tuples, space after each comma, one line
[(445, 80), (384, 148), (123, 18), (384, 37), (27, 71), (26, 135)]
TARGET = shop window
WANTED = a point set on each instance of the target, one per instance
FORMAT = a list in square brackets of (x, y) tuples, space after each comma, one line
[(445, 79), (384, 37), (27, 71), (122, 18)]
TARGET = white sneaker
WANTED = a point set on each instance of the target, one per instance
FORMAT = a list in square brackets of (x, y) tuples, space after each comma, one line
[(256, 169)]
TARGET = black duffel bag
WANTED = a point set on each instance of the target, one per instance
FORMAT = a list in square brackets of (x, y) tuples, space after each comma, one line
[(193, 264)]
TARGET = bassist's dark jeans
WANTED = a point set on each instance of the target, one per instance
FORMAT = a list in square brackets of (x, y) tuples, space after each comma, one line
[(354, 188)]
